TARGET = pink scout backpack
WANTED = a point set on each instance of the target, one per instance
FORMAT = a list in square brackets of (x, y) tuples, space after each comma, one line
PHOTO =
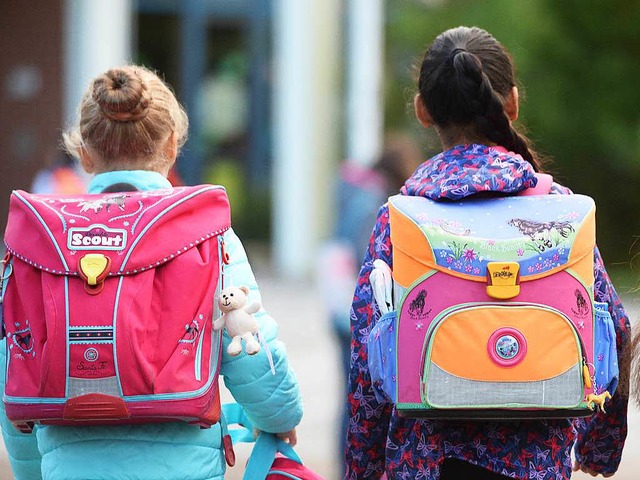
[(108, 303), (493, 313)]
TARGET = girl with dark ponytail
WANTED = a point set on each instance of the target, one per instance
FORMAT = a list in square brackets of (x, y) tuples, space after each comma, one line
[(467, 92)]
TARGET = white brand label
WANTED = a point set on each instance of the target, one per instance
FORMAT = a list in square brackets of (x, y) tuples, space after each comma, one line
[(96, 237)]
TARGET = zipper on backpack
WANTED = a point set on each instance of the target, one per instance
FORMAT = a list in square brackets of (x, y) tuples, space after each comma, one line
[(586, 375), (198, 359), (223, 257), (468, 306), (216, 336)]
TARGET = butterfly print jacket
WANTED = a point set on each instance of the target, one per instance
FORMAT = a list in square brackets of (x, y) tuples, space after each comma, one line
[(378, 441)]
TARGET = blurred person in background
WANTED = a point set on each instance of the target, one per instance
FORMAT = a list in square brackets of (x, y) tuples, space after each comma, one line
[(360, 191), (62, 175), (467, 92)]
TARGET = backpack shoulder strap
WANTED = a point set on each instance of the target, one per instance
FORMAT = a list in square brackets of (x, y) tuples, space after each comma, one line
[(5, 272)]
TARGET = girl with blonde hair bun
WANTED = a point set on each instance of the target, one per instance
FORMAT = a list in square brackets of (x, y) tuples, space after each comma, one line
[(128, 135)]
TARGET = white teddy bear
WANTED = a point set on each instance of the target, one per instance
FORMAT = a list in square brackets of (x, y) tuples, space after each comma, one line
[(238, 319)]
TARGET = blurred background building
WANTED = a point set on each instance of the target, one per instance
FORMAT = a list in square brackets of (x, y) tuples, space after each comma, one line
[(260, 80), (280, 91)]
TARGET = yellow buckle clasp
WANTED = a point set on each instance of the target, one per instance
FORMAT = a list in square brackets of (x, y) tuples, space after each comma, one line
[(503, 280), (94, 268)]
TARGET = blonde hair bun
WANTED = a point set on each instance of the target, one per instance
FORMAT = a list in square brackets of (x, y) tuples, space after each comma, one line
[(122, 95), (125, 119)]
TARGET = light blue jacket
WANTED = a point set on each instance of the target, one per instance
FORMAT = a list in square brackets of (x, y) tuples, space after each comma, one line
[(169, 450)]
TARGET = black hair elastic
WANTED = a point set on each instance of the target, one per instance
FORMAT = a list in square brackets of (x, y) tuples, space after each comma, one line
[(456, 51)]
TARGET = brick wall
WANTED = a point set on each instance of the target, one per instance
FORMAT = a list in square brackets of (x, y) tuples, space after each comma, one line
[(30, 91)]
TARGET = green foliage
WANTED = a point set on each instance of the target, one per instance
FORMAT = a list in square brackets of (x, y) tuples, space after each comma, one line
[(578, 66)]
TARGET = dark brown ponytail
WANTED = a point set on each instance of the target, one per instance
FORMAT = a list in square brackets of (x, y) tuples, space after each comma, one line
[(465, 78)]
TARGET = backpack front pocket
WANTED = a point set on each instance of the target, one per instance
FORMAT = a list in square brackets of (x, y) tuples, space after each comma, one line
[(497, 356)]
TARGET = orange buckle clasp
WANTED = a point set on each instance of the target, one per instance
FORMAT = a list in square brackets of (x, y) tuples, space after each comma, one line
[(503, 280), (93, 269)]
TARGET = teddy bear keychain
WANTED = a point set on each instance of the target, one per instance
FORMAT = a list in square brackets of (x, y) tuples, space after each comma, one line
[(237, 317)]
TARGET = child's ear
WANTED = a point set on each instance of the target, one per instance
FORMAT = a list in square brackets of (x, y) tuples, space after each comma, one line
[(512, 106), (171, 148), (421, 112), (88, 165)]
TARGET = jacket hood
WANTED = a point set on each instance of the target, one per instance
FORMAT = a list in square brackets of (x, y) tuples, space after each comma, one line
[(469, 169)]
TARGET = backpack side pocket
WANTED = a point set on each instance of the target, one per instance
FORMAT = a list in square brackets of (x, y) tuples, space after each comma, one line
[(381, 357), (605, 352)]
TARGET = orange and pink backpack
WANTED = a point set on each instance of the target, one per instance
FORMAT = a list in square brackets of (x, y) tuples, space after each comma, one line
[(493, 311)]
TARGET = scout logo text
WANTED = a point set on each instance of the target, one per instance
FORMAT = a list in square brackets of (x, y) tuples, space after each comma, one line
[(96, 237)]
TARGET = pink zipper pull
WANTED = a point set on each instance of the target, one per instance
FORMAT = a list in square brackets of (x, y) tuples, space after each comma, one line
[(224, 256)]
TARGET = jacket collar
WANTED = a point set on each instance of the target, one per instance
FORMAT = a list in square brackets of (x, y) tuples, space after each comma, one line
[(469, 169), (141, 179)]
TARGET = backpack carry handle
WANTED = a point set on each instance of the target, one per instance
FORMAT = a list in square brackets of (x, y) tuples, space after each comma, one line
[(263, 454), (266, 447), (543, 187)]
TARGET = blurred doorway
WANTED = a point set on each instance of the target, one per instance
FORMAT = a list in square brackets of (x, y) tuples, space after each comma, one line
[(216, 54)]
